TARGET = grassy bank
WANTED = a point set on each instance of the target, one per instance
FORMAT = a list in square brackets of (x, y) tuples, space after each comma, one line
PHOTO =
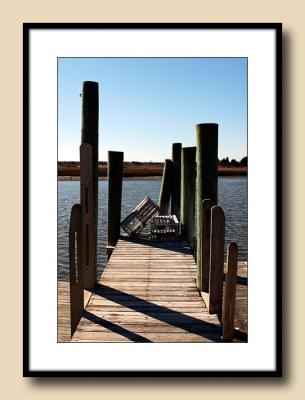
[(142, 170)]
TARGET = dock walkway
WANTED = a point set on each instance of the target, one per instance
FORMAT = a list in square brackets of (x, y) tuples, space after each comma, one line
[(147, 293)]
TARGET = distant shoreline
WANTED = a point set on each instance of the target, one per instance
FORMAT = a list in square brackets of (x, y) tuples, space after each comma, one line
[(153, 171), (104, 178)]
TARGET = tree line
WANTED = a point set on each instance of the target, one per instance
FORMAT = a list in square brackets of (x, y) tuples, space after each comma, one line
[(225, 162)]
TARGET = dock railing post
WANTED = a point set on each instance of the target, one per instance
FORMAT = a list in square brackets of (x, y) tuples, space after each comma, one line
[(216, 261), (76, 273), (206, 181), (89, 135), (166, 187), (188, 181), (230, 293), (176, 181), (204, 281), (115, 177)]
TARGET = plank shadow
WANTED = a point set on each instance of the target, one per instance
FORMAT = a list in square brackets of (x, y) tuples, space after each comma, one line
[(175, 246), (135, 337), (164, 314)]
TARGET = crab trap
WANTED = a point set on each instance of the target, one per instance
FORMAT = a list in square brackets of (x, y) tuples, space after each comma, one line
[(138, 218), (165, 227)]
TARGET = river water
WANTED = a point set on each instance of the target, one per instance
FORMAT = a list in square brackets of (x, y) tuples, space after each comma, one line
[(232, 197)]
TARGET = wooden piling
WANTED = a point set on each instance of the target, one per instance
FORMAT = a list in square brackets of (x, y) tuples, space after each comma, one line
[(176, 181), (188, 180), (204, 271), (230, 293), (89, 135), (76, 276), (115, 176), (88, 227), (166, 186), (216, 260), (206, 181)]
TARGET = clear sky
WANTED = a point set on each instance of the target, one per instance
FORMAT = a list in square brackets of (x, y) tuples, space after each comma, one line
[(146, 104)]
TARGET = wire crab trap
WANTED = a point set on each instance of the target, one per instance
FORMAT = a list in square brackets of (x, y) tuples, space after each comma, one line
[(165, 227), (138, 218)]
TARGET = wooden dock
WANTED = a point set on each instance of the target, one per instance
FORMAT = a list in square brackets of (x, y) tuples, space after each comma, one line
[(148, 293), (152, 291)]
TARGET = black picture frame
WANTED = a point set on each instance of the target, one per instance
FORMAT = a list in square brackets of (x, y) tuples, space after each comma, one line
[(27, 28)]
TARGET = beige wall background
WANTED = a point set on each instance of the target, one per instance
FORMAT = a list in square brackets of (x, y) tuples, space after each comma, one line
[(13, 14)]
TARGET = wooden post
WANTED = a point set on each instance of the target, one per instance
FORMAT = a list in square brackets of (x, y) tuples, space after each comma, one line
[(206, 185), (115, 176), (176, 182), (188, 179), (89, 135), (230, 293), (76, 278), (204, 271), (88, 228), (166, 185), (216, 260)]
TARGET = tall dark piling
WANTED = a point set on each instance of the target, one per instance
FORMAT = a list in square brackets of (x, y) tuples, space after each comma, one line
[(188, 182), (88, 228), (89, 135), (207, 162), (166, 187), (176, 181), (115, 176)]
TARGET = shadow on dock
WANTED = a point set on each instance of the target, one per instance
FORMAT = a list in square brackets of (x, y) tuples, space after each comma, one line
[(134, 337), (150, 244), (164, 314)]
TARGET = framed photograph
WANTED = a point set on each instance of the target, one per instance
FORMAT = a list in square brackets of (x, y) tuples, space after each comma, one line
[(152, 199)]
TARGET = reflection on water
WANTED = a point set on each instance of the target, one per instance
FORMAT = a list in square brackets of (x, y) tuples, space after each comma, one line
[(232, 197)]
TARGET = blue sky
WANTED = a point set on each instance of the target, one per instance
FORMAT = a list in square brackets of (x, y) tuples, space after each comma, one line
[(146, 104)]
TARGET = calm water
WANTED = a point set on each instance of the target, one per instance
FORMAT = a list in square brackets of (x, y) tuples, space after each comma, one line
[(232, 197)]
